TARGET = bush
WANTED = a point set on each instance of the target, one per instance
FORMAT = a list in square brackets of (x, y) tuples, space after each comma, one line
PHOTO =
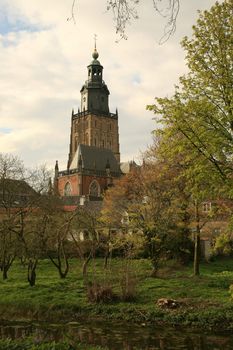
[(97, 293)]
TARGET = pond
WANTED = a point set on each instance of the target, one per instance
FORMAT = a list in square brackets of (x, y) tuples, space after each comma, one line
[(118, 336)]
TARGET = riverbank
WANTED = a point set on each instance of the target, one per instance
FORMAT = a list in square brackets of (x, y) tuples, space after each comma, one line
[(204, 302), (29, 343)]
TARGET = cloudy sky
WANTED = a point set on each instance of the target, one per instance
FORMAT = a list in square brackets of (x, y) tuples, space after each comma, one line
[(43, 59)]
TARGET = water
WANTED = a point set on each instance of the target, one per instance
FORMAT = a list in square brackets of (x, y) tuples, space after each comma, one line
[(119, 336)]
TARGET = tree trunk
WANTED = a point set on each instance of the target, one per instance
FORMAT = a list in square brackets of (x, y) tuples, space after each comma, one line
[(155, 267), (4, 273), (6, 266), (107, 254), (85, 264), (196, 269), (61, 273), (197, 246), (59, 264), (32, 272)]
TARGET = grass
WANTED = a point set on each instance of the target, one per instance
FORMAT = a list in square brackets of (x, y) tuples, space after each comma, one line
[(29, 344), (205, 300)]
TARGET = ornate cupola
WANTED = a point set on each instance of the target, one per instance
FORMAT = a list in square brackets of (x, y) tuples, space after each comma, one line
[(94, 93), (94, 125)]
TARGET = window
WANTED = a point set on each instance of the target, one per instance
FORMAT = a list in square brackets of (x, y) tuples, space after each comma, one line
[(94, 189), (67, 189), (216, 231), (206, 207)]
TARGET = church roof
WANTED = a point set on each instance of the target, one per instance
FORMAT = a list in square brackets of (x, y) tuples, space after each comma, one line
[(15, 193), (16, 186), (95, 159)]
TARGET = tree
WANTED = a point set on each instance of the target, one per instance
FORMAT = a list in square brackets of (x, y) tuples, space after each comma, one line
[(148, 202), (116, 217), (202, 106), (20, 210), (60, 224), (126, 10), (197, 120), (11, 186), (86, 223)]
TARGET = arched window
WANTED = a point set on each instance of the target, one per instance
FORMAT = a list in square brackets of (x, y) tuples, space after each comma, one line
[(67, 189), (94, 189)]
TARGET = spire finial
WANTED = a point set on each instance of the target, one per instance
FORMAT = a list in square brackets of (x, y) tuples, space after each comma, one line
[(95, 39), (95, 54)]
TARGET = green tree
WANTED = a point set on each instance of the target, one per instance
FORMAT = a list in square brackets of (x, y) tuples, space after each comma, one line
[(145, 204), (197, 120), (202, 106)]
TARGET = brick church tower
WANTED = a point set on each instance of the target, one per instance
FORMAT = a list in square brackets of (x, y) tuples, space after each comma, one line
[(94, 156)]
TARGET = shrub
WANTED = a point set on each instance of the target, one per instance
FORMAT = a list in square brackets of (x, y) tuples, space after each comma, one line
[(97, 293)]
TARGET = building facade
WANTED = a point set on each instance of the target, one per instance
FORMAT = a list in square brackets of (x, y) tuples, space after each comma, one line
[(94, 151)]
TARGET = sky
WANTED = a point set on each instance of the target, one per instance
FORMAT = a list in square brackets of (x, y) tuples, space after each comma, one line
[(43, 60)]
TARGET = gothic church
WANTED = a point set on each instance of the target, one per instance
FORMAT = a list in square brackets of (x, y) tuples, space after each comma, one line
[(94, 156)]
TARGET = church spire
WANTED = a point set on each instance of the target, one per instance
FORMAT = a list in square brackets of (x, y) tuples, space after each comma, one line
[(94, 93)]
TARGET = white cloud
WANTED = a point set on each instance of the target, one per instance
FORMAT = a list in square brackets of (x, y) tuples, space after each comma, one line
[(43, 67)]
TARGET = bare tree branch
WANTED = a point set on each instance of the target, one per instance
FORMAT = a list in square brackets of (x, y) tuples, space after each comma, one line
[(72, 17), (126, 10), (170, 12)]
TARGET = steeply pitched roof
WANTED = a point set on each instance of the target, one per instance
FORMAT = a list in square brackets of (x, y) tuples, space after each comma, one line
[(16, 187), (95, 159), (15, 193)]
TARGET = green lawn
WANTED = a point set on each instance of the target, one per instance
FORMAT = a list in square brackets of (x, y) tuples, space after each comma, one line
[(205, 300)]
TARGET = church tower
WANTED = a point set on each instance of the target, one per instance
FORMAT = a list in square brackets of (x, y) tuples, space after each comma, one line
[(94, 156), (94, 125)]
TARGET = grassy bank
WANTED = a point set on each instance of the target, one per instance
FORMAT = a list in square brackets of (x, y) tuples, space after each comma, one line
[(29, 344), (204, 301)]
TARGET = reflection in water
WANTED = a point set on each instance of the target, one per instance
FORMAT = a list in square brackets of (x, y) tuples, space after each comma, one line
[(118, 336)]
